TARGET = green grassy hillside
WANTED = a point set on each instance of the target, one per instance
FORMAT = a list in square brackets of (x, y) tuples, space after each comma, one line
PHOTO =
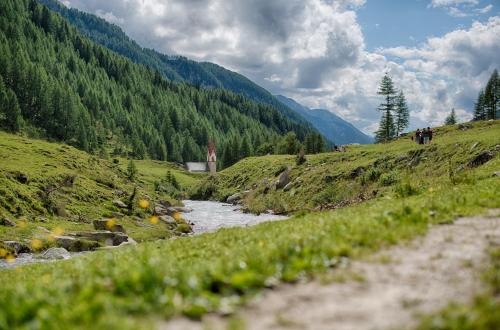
[(53, 185), (337, 179), (139, 286)]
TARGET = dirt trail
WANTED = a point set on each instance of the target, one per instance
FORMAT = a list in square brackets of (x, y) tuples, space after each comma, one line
[(398, 285)]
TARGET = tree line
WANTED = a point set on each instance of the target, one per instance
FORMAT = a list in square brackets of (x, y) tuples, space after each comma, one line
[(57, 84)]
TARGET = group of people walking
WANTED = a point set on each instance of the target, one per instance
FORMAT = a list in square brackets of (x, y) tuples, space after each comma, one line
[(423, 136)]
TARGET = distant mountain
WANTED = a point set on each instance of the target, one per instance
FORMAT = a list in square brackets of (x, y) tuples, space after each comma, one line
[(175, 68), (334, 128)]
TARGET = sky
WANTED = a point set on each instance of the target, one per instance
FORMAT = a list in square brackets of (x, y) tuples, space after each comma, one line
[(330, 54)]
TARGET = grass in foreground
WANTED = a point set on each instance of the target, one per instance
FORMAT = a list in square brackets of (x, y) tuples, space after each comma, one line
[(134, 287)]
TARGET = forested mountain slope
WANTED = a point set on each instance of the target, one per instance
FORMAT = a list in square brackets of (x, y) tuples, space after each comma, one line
[(175, 68), (334, 128), (56, 83)]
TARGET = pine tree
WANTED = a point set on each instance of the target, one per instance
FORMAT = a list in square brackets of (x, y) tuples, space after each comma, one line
[(479, 107), (402, 118), (131, 170), (451, 119), (490, 96), (386, 129)]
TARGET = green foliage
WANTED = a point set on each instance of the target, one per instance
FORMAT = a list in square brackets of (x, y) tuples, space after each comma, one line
[(395, 114), (288, 145), (487, 105), (402, 114), (70, 89), (451, 119), (388, 179), (131, 170)]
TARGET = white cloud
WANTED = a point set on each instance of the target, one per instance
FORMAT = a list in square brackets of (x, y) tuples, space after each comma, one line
[(484, 10), (314, 52), (448, 3)]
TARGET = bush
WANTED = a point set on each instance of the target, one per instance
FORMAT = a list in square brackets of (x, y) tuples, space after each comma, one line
[(405, 189), (388, 179)]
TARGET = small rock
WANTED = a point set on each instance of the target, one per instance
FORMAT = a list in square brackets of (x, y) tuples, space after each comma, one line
[(7, 222), (55, 254), (106, 237), (496, 174), (118, 203), (464, 127), (21, 177), (497, 147), (233, 198), (117, 214), (75, 244), (167, 219), (17, 247), (159, 210), (164, 203), (357, 172), (105, 224), (45, 230), (284, 179), (480, 159), (180, 209), (288, 186)]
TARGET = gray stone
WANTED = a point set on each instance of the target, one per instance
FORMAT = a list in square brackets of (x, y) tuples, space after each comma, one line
[(117, 214), (496, 174), (474, 146), (118, 203), (233, 198), (75, 244), (105, 237), (106, 224), (180, 209), (288, 186), (164, 203), (284, 179), (45, 230), (7, 222), (55, 254), (159, 210), (480, 159), (17, 247), (167, 219)]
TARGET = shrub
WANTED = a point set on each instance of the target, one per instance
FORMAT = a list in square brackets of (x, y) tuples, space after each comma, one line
[(388, 179)]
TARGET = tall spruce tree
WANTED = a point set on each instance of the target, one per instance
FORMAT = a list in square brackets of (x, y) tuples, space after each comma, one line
[(386, 129), (402, 116), (451, 119), (479, 107), (491, 96)]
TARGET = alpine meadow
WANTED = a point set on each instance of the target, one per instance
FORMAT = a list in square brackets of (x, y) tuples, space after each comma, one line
[(302, 164)]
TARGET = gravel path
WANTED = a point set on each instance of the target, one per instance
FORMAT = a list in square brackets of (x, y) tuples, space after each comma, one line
[(393, 287)]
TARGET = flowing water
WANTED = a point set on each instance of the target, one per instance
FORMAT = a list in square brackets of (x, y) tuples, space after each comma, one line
[(206, 216), (211, 216)]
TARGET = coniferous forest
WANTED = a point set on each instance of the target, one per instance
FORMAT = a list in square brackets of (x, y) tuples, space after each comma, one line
[(57, 84)]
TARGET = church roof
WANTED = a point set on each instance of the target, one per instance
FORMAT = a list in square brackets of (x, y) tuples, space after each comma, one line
[(196, 167)]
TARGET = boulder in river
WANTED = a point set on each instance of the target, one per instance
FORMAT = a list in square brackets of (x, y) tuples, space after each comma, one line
[(75, 244), (233, 198), (108, 224), (159, 210), (167, 219), (55, 254), (105, 237)]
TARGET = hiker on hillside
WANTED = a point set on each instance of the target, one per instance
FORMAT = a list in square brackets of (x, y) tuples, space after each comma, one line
[(430, 134), (425, 134), (417, 136)]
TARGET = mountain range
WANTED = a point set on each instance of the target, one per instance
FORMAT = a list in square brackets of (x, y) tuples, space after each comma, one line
[(204, 74), (334, 128)]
